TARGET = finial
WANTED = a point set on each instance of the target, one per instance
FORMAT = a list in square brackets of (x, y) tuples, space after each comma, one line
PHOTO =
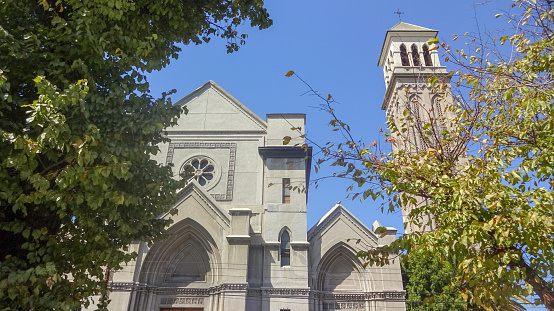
[(398, 12)]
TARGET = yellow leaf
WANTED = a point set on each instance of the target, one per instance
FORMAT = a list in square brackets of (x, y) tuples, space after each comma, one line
[(290, 73), (329, 97), (286, 140), (431, 152)]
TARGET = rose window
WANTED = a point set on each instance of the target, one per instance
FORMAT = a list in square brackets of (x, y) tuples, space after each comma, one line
[(201, 168)]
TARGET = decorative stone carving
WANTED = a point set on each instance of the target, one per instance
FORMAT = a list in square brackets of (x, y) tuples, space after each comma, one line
[(201, 168), (228, 195), (343, 305), (182, 301)]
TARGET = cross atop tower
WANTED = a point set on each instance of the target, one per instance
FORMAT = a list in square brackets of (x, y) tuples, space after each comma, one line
[(398, 12)]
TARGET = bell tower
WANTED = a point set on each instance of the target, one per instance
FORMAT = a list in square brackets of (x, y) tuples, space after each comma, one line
[(408, 62)]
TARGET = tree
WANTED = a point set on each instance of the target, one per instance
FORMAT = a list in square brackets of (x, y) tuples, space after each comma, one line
[(486, 170), (77, 129), (428, 284)]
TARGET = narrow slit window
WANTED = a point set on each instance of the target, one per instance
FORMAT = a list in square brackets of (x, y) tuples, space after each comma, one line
[(285, 248), (427, 56), (415, 55), (286, 190), (404, 56)]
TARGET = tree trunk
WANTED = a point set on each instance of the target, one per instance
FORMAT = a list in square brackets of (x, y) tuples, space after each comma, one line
[(540, 286)]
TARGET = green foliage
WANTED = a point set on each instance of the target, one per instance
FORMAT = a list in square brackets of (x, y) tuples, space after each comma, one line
[(77, 132), (486, 171), (428, 284)]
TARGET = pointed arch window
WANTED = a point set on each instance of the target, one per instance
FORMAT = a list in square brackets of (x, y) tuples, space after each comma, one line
[(415, 55), (427, 56), (285, 248), (404, 56)]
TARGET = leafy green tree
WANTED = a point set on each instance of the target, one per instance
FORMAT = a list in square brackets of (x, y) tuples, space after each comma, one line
[(428, 284), (77, 130), (486, 172)]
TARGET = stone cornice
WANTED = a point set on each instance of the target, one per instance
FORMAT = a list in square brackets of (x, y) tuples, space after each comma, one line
[(284, 152), (412, 73), (262, 292), (179, 291), (212, 133), (238, 239)]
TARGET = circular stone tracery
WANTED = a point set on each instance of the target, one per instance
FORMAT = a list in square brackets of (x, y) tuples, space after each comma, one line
[(201, 168)]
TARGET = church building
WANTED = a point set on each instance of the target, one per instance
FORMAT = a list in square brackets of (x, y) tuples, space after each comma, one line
[(239, 240)]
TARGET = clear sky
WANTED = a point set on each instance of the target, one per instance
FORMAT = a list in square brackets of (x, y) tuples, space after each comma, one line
[(333, 45)]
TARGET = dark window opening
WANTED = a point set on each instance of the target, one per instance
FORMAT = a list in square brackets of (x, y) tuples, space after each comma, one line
[(286, 190), (415, 55), (285, 248), (427, 56), (404, 56)]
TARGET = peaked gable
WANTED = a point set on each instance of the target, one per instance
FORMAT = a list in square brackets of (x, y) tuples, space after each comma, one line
[(408, 27), (195, 203), (340, 214), (212, 109)]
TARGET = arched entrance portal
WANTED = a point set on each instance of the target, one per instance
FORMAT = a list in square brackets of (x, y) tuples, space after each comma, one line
[(178, 272)]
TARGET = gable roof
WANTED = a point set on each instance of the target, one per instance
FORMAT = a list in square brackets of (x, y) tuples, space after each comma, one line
[(226, 111), (339, 211), (408, 27), (213, 208)]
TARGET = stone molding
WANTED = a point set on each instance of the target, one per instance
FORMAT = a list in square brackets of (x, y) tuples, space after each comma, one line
[(367, 296), (228, 195), (182, 301), (285, 292), (439, 71), (261, 292), (238, 239), (344, 306), (215, 133), (128, 286), (285, 152)]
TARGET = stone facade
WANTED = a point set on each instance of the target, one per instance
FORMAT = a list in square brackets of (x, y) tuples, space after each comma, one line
[(239, 240)]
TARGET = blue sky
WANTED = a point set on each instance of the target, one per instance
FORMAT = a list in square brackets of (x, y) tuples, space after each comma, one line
[(334, 46)]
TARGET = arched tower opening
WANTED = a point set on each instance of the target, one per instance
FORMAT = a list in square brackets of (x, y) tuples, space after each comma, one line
[(415, 55), (404, 56)]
